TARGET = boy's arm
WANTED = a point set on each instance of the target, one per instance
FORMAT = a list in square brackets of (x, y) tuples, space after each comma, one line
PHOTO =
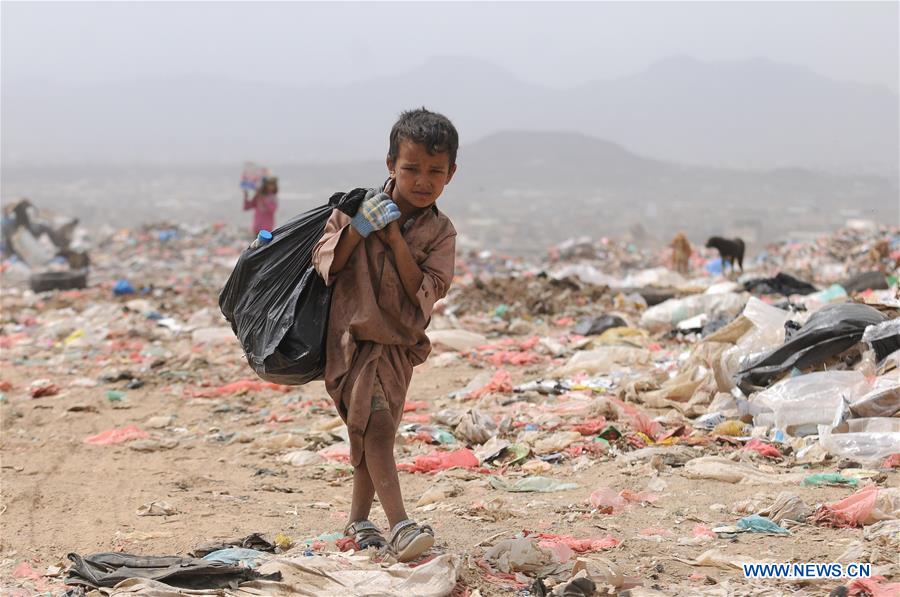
[(425, 283), (410, 274), (344, 249)]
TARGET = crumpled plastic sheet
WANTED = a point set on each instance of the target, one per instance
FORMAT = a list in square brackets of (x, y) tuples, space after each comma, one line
[(348, 576), (722, 469), (868, 505)]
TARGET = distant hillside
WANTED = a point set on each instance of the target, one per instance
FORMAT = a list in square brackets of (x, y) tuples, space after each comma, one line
[(744, 114), (516, 191)]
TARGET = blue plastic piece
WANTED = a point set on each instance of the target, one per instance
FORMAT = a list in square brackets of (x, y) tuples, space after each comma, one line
[(123, 286)]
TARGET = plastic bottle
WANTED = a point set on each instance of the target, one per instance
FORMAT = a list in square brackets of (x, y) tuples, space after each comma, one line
[(263, 238)]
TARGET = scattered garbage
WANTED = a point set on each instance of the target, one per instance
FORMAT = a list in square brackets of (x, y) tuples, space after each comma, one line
[(564, 395)]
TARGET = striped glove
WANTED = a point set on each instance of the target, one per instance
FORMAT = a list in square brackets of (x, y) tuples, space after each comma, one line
[(375, 213)]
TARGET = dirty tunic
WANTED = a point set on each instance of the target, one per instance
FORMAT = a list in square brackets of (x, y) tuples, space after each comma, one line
[(374, 331)]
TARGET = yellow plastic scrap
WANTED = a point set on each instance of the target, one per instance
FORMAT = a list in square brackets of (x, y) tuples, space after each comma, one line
[(619, 335), (283, 542), (73, 337), (733, 428)]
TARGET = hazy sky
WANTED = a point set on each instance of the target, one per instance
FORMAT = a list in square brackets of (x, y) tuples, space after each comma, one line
[(553, 43)]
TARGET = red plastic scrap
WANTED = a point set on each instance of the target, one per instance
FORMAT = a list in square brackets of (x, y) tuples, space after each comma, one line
[(50, 389), (578, 545), (116, 436), (762, 448), (414, 405), (501, 383), (439, 461), (243, 385), (346, 544), (590, 427)]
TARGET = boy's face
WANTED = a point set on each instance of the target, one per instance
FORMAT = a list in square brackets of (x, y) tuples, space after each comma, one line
[(419, 177)]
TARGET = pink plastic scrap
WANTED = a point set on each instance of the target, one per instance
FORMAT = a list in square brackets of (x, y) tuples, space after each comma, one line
[(439, 461), (873, 588), (339, 452), (116, 436), (848, 512), (701, 530), (501, 382), (607, 499), (577, 545)]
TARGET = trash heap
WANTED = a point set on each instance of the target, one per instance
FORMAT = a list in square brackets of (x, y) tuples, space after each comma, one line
[(589, 424)]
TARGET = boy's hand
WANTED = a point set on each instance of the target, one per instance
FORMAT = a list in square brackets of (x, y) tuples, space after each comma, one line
[(374, 214)]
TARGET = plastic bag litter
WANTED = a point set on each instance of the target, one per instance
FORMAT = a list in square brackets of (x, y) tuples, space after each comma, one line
[(869, 505), (886, 532), (531, 484), (762, 448), (722, 469), (578, 545), (883, 400), (556, 442), (237, 555), (787, 506), (458, 340), (609, 500), (868, 440), (439, 461), (715, 558), (873, 588), (116, 436), (884, 338), (157, 509), (302, 458), (605, 359), (760, 524), (673, 311), (278, 304), (475, 427), (797, 405), (594, 326), (356, 576), (522, 555), (834, 479), (828, 332)]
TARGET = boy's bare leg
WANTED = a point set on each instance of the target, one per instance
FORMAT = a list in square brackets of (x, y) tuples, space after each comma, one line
[(363, 493), (379, 449)]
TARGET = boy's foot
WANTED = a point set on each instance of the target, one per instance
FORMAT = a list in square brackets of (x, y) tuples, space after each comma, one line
[(365, 534), (410, 540)]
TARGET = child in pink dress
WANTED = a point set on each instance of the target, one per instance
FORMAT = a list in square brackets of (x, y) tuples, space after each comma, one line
[(264, 204)]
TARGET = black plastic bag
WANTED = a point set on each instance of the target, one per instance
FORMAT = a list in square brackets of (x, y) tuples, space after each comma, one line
[(828, 332), (278, 304)]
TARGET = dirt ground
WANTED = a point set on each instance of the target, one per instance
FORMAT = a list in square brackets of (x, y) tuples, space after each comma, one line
[(61, 495)]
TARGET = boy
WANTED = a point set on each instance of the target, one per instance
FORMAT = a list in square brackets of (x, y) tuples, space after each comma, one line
[(388, 265)]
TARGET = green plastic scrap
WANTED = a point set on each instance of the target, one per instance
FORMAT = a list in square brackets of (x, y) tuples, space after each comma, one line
[(760, 524), (828, 479), (610, 433), (115, 395), (528, 484)]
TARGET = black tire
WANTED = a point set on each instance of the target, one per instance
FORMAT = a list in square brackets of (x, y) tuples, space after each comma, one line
[(47, 281)]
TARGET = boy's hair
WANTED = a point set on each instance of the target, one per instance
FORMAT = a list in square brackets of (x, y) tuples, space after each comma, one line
[(433, 130)]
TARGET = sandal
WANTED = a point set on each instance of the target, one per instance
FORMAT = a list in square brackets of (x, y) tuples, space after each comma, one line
[(365, 534), (410, 540)]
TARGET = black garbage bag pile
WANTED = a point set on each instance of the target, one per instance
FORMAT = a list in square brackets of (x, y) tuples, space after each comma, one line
[(278, 304), (828, 332), (782, 283)]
